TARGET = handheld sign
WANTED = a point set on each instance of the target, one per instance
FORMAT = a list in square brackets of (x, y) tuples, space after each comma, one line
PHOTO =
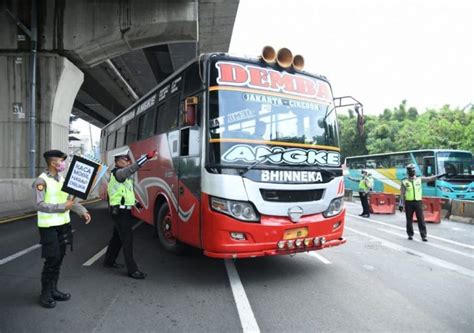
[(80, 177), (100, 173)]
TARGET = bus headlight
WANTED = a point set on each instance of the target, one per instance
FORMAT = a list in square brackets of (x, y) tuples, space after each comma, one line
[(335, 207), (239, 209), (444, 189)]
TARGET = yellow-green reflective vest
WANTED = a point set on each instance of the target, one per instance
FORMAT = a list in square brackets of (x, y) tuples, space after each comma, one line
[(53, 195), (363, 185), (117, 191), (413, 189)]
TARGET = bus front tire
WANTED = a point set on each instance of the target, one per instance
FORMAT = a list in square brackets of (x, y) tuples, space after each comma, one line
[(163, 230)]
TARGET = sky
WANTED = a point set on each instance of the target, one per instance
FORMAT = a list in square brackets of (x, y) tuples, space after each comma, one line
[(380, 52)]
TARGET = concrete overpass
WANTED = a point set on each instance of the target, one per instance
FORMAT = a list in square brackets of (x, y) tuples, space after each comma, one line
[(94, 58)]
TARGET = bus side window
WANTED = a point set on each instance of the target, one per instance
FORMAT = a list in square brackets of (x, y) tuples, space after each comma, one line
[(192, 80), (168, 115), (120, 140), (146, 124), (111, 141), (131, 131), (190, 141), (428, 168)]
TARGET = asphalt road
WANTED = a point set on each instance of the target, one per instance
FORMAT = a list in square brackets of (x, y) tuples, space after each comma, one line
[(379, 281)]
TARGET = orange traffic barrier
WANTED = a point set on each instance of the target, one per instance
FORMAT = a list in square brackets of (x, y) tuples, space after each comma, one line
[(431, 210), (382, 203)]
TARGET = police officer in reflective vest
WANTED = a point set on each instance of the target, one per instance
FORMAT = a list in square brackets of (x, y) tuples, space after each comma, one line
[(53, 206), (411, 198), (121, 200), (365, 186)]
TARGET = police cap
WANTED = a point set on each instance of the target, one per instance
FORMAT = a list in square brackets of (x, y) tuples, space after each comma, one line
[(54, 153), (123, 153), (411, 166)]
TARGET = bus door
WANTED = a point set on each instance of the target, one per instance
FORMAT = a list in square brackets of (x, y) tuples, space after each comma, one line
[(189, 174), (429, 189)]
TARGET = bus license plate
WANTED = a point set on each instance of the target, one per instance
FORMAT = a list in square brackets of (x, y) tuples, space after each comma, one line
[(296, 233)]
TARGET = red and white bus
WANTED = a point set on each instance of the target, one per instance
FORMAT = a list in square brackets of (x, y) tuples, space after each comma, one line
[(248, 158)]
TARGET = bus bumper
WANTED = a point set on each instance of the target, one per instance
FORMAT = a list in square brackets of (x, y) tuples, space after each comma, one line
[(273, 252), (273, 235)]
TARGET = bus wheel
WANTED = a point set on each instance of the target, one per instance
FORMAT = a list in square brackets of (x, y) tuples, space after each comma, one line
[(163, 229)]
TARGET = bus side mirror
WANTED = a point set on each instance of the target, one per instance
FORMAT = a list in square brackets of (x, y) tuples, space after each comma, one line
[(190, 111)]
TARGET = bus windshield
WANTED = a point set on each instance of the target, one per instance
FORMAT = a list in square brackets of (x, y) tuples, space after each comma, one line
[(455, 163), (266, 119)]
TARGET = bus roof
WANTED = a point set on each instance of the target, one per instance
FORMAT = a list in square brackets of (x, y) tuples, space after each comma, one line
[(202, 57), (148, 94), (410, 151)]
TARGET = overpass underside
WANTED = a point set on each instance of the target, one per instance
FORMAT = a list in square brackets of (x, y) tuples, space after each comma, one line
[(94, 59)]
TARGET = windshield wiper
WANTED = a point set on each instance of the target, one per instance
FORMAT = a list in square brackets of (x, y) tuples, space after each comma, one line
[(328, 112)]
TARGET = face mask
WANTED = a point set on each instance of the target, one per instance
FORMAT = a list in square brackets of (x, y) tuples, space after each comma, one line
[(411, 172), (61, 167)]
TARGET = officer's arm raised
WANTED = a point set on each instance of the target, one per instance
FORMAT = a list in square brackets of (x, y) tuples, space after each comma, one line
[(123, 173)]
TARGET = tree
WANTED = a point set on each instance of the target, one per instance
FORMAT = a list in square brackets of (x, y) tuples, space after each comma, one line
[(399, 129)]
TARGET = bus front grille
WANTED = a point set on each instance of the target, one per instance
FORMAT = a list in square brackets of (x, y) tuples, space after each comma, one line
[(291, 195)]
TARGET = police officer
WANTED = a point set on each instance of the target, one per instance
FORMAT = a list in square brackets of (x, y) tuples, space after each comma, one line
[(121, 201), (53, 206), (365, 186), (411, 198)]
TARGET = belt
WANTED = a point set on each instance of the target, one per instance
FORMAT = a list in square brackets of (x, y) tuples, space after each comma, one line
[(124, 207)]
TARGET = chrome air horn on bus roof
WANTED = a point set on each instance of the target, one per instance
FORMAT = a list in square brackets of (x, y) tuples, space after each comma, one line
[(269, 54), (283, 57)]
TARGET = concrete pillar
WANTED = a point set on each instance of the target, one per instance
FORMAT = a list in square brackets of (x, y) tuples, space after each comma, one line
[(58, 82), (14, 108)]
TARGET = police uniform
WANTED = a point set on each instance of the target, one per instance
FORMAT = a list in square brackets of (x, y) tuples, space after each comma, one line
[(54, 229), (365, 186), (412, 194), (121, 200)]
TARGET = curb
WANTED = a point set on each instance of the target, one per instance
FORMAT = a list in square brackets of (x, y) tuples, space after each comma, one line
[(8, 219)]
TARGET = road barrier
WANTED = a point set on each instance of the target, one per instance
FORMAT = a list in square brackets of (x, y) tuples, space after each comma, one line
[(431, 210), (462, 211), (382, 203)]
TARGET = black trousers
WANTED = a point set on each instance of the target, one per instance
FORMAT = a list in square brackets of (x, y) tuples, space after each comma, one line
[(417, 208), (53, 248), (122, 237), (364, 200)]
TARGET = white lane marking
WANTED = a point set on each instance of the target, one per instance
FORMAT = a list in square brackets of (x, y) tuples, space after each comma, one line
[(99, 254), (95, 257), (426, 257), (400, 228), (320, 257), (430, 244), (21, 253), (247, 318)]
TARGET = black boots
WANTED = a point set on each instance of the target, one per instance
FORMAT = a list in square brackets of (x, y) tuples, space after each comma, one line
[(46, 299), (137, 275), (58, 295), (50, 294)]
